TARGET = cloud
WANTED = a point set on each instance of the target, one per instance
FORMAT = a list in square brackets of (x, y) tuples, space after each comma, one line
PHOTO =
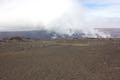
[(59, 14), (34, 11), (103, 13)]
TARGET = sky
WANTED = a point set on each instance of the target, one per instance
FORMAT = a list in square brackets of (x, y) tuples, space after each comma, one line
[(52, 14)]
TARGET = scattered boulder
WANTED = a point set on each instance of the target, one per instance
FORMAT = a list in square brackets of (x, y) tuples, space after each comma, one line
[(17, 38)]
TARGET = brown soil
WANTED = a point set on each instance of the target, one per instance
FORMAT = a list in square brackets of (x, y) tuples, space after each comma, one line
[(89, 59)]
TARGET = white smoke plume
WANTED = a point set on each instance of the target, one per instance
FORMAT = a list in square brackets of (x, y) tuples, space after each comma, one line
[(74, 21), (60, 16)]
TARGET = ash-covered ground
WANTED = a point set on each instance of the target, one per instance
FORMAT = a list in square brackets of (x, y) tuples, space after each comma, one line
[(77, 59)]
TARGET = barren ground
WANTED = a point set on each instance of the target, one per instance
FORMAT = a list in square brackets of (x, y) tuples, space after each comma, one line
[(87, 59)]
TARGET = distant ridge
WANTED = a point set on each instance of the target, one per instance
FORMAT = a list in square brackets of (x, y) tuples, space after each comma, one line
[(44, 34), (37, 34), (114, 32)]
